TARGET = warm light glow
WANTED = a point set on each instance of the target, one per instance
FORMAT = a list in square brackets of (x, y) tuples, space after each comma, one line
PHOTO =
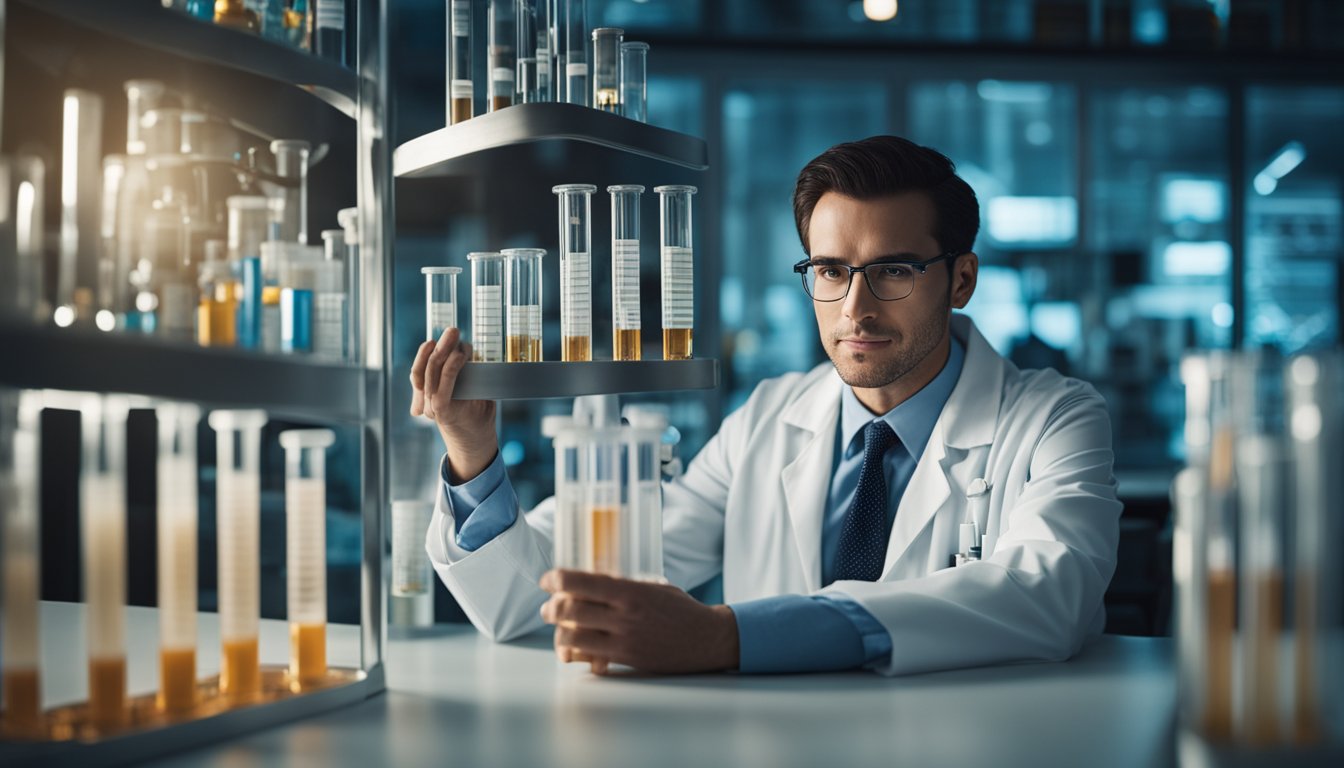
[(105, 320), (64, 316), (879, 10), (70, 153), (24, 204)]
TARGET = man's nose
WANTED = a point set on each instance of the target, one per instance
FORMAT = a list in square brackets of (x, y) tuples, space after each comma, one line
[(859, 303)]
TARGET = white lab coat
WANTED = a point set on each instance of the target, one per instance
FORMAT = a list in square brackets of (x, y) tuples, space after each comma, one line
[(751, 505)]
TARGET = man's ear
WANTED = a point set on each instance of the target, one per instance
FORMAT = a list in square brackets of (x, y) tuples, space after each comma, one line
[(964, 273)]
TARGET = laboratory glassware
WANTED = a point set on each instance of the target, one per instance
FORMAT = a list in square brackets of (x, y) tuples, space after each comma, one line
[(329, 30), (634, 81), (216, 316), (542, 25), (503, 57), (113, 281), (644, 493), (487, 307), (297, 31), (412, 601), (291, 162), (523, 301), (177, 556), (238, 531), (461, 88), (81, 184), (273, 253), (329, 310), (607, 69), (625, 325), (575, 48), (236, 14), (306, 552), (571, 525), (103, 539), (525, 12), (141, 96), (348, 219), (250, 218), (440, 300), (576, 280), (164, 291), (299, 277), (22, 283), (678, 275), (20, 666), (604, 454), (272, 21)]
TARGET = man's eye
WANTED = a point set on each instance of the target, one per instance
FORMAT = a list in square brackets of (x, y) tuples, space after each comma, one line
[(895, 272), (829, 273)]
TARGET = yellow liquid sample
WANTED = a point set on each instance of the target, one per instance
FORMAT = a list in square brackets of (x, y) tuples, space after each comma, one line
[(240, 670), (676, 343), (608, 99), (1263, 709), (522, 349), (500, 102), (606, 540), (307, 652), (461, 111), (177, 679), (22, 699), (625, 345), (1306, 709), (1222, 597), (216, 317), (576, 349), (107, 690)]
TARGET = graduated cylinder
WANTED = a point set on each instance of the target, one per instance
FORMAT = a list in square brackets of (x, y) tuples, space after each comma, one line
[(177, 523), (487, 307), (306, 551), (20, 688), (625, 320), (576, 279), (103, 538), (522, 311), (678, 271)]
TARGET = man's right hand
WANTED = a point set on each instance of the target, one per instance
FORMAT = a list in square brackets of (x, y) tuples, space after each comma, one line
[(467, 426)]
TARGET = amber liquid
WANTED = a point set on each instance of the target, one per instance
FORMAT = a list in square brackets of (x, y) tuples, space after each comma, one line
[(500, 102), (307, 653), (233, 13), (240, 670), (606, 540), (1306, 709), (1222, 598), (22, 697), (576, 349), (608, 99), (522, 349), (1263, 710), (676, 343), (107, 690), (461, 111), (625, 345), (215, 318), (177, 679)]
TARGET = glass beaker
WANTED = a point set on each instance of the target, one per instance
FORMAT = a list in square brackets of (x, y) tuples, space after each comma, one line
[(412, 601), (461, 89), (306, 551), (503, 57), (238, 531), (522, 313), (440, 300), (103, 540), (575, 51), (487, 307), (634, 81), (678, 271), (625, 333), (20, 667), (576, 279), (177, 556), (607, 69), (291, 163)]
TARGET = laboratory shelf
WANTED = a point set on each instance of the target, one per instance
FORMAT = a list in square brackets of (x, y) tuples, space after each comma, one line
[(522, 381), (148, 23), (88, 361), (528, 134)]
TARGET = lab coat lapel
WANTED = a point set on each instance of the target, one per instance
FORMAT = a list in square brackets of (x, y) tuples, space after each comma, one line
[(810, 423)]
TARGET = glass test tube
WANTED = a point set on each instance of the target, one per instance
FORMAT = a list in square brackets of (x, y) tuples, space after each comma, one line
[(329, 305), (522, 312), (103, 540), (544, 16), (625, 333), (238, 529), (20, 682), (634, 81), (81, 184), (250, 218), (216, 321), (604, 453), (571, 524), (461, 90), (607, 69), (303, 275), (177, 521), (141, 97), (22, 282), (678, 272), (645, 493), (576, 279), (412, 576), (503, 57), (291, 162), (526, 28), (575, 48), (487, 307), (329, 29), (1220, 540), (306, 551), (440, 300), (348, 218)]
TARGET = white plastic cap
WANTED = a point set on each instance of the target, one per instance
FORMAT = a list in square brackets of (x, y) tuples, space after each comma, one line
[(292, 439), (553, 425), (967, 536)]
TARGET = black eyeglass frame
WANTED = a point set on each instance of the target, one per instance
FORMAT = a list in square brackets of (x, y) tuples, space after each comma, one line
[(920, 267)]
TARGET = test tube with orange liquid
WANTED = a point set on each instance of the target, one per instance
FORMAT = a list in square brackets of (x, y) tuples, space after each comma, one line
[(103, 542), (678, 271), (306, 552), (177, 556), (20, 680)]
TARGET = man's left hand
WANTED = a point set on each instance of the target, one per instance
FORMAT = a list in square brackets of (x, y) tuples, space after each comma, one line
[(650, 627)]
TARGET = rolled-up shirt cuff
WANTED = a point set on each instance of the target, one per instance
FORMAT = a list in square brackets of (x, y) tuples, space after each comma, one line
[(483, 507), (796, 633)]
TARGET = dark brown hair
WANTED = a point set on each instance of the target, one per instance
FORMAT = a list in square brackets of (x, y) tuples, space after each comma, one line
[(881, 166)]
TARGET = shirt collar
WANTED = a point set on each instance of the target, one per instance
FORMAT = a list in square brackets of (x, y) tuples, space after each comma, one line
[(912, 420)]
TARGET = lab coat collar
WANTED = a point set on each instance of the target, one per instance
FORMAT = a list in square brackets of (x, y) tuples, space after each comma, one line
[(972, 411), (913, 420)]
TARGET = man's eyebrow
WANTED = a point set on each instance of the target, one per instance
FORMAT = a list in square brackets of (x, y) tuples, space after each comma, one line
[(903, 256)]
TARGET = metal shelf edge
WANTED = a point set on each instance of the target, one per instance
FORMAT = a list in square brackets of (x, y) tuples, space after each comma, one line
[(526, 381)]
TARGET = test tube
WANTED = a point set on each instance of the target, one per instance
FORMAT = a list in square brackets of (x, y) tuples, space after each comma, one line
[(306, 551), (461, 90), (291, 162), (678, 272), (634, 81), (440, 300), (329, 319), (238, 531), (575, 48), (103, 539), (607, 69), (165, 289), (526, 13), (81, 184), (21, 663), (503, 57), (522, 313), (412, 577), (329, 30), (298, 297), (216, 315), (605, 552), (576, 280), (141, 97), (487, 307), (571, 524), (625, 324), (236, 14), (1220, 577), (544, 16), (177, 516), (348, 218), (250, 219), (22, 284), (273, 254), (645, 494)]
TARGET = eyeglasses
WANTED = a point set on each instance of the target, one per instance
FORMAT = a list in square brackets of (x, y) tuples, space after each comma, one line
[(888, 280)]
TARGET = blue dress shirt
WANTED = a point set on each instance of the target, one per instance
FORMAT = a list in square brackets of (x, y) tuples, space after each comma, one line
[(789, 633)]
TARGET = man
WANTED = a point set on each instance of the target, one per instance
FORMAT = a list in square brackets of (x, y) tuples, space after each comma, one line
[(832, 501)]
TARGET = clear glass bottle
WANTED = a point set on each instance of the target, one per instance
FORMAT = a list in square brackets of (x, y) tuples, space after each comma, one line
[(576, 279), (607, 69), (461, 88), (625, 319)]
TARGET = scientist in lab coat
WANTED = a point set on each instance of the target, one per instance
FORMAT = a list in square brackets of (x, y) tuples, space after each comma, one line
[(831, 501)]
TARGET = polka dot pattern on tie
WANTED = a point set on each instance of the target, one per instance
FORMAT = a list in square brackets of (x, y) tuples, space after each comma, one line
[(863, 537)]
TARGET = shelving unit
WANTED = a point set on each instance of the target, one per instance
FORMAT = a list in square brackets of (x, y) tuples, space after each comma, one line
[(526, 381)]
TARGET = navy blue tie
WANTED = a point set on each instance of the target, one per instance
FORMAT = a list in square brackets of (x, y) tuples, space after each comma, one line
[(863, 538)]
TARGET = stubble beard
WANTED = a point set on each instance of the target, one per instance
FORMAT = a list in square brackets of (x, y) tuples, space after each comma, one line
[(873, 371)]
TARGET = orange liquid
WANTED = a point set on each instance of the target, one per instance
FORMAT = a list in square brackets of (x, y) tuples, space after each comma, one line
[(677, 343), (1263, 707), (307, 652), (22, 696), (606, 540), (626, 345), (500, 102), (107, 690), (1306, 710), (576, 349), (461, 110), (240, 670), (608, 99), (177, 679), (1221, 615), (215, 317), (523, 349)]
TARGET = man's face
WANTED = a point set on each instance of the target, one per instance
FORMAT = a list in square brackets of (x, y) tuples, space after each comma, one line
[(875, 343)]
